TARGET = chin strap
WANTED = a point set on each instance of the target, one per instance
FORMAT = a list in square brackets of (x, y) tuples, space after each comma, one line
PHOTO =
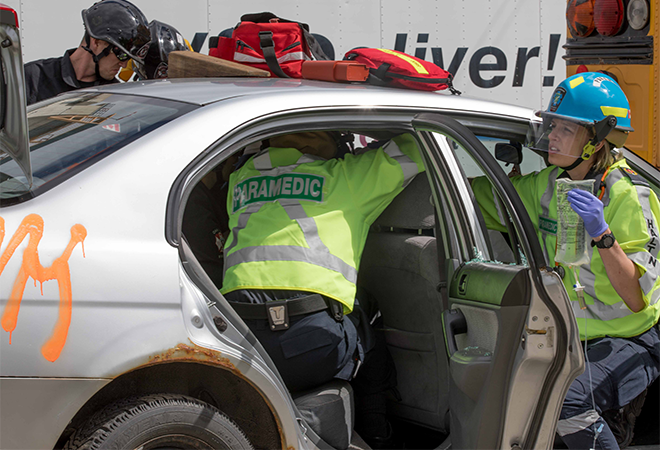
[(601, 130), (96, 57), (576, 163)]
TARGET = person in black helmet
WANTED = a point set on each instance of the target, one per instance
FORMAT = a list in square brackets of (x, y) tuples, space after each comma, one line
[(164, 39), (115, 32)]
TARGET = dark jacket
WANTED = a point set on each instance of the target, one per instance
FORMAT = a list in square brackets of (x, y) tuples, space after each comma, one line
[(205, 228), (46, 78)]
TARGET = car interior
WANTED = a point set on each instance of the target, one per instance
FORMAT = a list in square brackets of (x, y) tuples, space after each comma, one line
[(400, 270)]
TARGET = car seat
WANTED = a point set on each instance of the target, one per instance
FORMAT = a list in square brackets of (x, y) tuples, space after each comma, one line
[(400, 270), (329, 412)]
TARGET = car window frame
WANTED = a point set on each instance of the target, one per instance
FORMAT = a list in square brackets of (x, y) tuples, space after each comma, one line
[(258, 129), (512, 202), (330, 118)]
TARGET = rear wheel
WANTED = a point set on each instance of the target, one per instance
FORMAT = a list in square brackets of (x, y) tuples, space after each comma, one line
[(164, 421)]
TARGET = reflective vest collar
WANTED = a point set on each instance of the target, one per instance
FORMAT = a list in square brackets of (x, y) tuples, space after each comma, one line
[(283, 157)]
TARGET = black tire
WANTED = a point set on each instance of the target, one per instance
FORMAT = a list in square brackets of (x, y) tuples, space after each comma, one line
[(163, 421)]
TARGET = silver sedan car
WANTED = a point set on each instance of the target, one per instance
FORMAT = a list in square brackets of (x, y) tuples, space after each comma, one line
[(115, 334), (113, 323)]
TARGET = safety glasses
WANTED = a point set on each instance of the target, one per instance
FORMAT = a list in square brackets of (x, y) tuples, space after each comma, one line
[(120, 54)]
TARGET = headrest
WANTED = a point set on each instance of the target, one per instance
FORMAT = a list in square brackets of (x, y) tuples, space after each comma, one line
[(412, 208)]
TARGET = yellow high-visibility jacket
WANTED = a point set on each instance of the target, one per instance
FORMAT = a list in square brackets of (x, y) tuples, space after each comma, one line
[(300, 223), (631, 209)]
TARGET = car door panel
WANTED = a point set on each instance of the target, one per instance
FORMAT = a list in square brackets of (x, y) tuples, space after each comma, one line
[(492, 312), (479, 364)]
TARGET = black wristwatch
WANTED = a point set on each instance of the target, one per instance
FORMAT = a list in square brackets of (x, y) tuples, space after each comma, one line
[(607, 241)]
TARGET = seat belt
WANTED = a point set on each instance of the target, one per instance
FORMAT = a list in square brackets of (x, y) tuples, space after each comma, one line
[(443, 285)]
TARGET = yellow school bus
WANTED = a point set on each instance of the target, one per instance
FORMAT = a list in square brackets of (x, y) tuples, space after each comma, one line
[(622, 37)]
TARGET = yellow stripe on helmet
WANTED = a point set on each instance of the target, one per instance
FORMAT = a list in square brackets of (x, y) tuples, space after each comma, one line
[(576, 82), (614, 111)]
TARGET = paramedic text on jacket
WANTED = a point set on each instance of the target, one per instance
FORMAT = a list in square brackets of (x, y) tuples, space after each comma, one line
[(621, 279)]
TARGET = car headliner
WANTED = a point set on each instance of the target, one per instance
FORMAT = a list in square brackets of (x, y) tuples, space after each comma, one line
[(204, 91)]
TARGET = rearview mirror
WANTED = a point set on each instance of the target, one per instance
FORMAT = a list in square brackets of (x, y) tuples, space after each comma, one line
[(510, 153)]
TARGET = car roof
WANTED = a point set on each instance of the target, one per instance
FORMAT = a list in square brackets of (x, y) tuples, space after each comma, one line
[(205, 91)]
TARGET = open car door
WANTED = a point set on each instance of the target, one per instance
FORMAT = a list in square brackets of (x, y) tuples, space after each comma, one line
[(13, 117), (512, 341)]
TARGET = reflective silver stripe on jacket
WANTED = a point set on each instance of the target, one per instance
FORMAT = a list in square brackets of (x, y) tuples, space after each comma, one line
[(317, 254), (654, 298), (242, 223), (647, 260), (546, 198), (647, 281), (577, 423), (598, 310), (289, 253), (264, 166), (408, 166)]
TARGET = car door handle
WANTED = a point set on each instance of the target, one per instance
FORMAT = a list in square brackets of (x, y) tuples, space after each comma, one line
[(454, 323)]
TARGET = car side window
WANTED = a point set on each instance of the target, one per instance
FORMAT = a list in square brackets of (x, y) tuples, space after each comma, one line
[(531, 161), (502, 239)]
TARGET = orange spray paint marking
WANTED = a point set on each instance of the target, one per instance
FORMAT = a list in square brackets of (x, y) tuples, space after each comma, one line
[(32, 268)]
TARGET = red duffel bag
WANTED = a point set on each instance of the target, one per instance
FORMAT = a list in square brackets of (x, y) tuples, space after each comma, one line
[(398, 69), (268, 42)]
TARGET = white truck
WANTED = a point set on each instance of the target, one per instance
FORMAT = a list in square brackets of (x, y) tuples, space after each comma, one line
[(502, 50)]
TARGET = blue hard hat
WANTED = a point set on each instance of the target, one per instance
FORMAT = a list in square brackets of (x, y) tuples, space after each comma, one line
[(588, 98)]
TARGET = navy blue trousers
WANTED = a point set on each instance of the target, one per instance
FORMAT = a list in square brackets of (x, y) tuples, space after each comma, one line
[(316, 348), (621, 369)]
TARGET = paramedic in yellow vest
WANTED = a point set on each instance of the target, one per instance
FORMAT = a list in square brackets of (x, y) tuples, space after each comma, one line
[(588, 115), (299, 220)]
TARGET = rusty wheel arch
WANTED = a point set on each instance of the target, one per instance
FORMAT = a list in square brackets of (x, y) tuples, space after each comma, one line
[(218, 384)]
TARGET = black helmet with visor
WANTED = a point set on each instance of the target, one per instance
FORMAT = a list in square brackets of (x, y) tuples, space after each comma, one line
[(164, 39), (122, 25)]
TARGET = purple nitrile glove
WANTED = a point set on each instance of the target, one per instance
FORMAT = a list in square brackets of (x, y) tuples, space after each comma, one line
[(590, 208)]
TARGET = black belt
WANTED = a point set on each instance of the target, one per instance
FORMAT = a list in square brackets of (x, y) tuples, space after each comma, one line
[(278, 311)]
